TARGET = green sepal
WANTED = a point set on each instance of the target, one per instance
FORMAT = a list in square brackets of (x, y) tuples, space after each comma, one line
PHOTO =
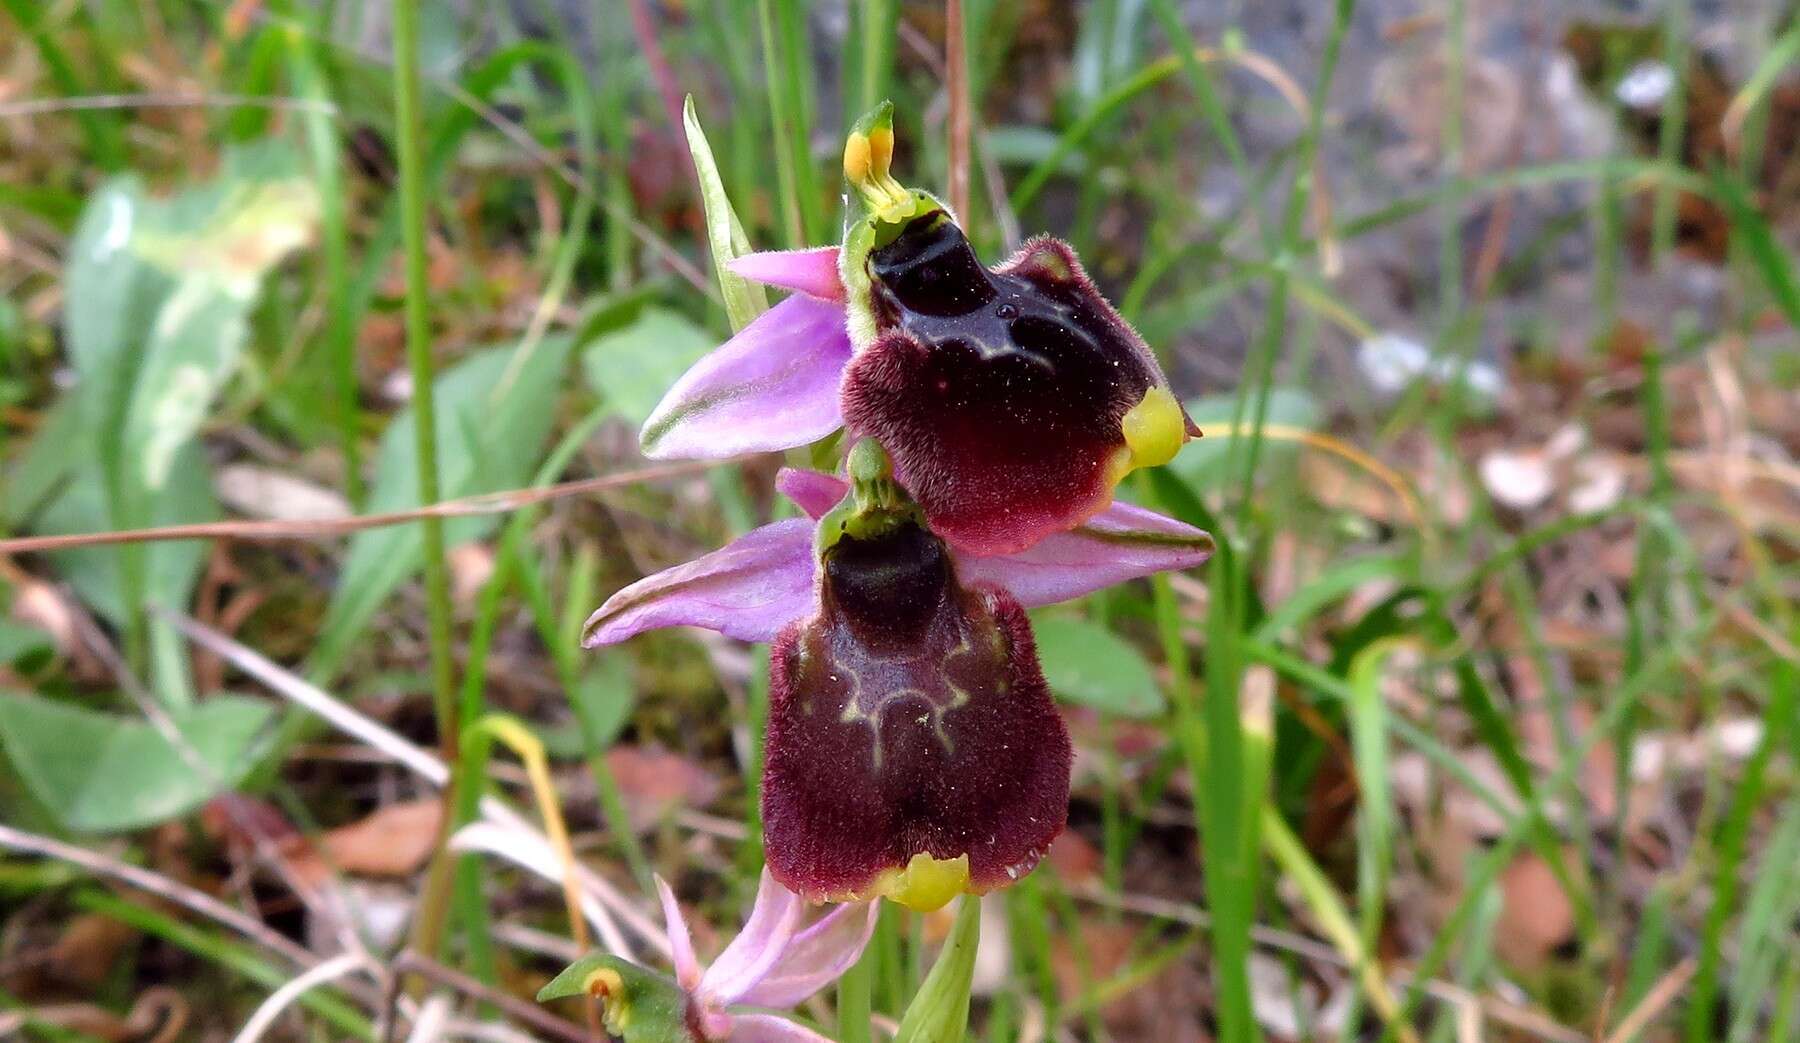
[(939, 1011), (637, 1005)]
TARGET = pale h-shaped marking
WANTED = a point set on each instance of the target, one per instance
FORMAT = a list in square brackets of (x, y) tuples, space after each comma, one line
[(854, 710)]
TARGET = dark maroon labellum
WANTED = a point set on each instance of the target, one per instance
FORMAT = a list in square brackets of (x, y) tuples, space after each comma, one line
[(908, 716), (1000, 394)]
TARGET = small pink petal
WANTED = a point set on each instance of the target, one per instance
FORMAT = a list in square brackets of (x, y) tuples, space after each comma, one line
[(812, 491), (681, 946), (773, 386), (817, 956), (757, 948), (749, 589), (813, 271), (770, 1028), (1122, 542)]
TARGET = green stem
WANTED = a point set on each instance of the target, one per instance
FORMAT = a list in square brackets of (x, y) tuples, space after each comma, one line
[(408, 140), (853, 993)]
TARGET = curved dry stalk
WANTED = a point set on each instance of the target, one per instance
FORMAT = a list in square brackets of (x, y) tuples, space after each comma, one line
[(191, 899), (281, 999), (610, 902), (484, 503)]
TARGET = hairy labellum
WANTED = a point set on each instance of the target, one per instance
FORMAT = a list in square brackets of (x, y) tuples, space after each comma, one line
[(1011, 400), (913, 749)]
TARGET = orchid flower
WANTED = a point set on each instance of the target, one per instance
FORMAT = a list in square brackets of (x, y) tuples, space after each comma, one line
[(1012, 399), (773, 963), (913, 750)]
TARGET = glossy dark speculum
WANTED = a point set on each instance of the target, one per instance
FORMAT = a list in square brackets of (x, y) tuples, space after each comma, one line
[(1000, 394), (908, 716)]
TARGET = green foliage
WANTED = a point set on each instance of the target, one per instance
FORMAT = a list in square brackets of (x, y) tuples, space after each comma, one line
[(1087, 664), (171, 568), (1204, 464), (494, 413), (99, 773), (630, 368)]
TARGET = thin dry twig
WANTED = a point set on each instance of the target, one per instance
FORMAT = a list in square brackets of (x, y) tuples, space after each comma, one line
[(193, 900), (1660, 995), (290, 992), (956, 85), (485, 503), (1300, 945), (50, 106), (527, 1013), (427, 766)]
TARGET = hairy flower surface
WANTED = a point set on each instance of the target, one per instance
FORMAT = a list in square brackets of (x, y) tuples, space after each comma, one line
[(774, 963), (1012, 399), (913, 750)]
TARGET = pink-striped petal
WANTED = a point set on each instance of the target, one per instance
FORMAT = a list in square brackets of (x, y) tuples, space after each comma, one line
[(757, 948), (1122, 542), (816, 957), (773, 386), (814, 492), (770, 1028), (813, 271), (748, 589), (681, 946)]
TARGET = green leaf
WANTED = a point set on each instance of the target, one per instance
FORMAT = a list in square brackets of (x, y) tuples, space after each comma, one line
[(100, 773), (172, 567), (632, 367), (56, 448), (158, 294), (744, 300), (939, 1011), (17, 641), (1087, 664), (491, 432), (605, 697), (1202, 462)]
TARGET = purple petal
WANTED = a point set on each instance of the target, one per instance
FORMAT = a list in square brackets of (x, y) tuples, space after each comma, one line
[(757, 948), (816, 957), (773, 386), (1120, 543), (813, 271), (681, 946), (748, 589), (770, 1028), (812, 491)]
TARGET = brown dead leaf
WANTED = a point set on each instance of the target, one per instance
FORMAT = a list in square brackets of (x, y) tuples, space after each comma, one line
[(394, 841), (1536, 915), (471, 566), (654, 782), (1164, 1008), (1074, 858), (84, 953)]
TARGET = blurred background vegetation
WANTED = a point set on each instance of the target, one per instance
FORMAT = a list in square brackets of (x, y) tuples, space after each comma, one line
[(1482, 724)]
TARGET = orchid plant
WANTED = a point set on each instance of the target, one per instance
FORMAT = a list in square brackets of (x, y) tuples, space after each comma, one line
[(771, 963), (913, 750)]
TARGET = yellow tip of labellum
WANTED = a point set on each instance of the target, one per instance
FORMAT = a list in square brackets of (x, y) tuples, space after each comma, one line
[(1154, 429), (926, 884)]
